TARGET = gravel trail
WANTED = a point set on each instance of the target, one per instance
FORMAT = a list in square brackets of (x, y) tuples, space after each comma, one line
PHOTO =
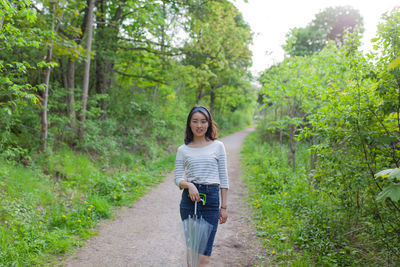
[(151, 234)]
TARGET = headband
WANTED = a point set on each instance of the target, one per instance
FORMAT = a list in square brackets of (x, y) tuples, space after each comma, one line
[(201, 109)]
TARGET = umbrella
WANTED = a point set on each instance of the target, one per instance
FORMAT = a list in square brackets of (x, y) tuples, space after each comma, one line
[(197, 231)]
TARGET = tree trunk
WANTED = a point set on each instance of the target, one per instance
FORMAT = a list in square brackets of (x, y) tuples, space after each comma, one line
[(312, 156), (1, 22), (46, 91), (212, 100), (179, 91), (46, 99), (86, 72), (199, 96), (292, 146), (106, 49), (71, 93)]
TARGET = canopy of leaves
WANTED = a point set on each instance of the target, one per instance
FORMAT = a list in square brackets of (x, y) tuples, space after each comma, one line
[(331, 24)]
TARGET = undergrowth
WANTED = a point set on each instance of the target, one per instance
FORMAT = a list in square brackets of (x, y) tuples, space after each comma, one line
[(52, 206), (298, 224)]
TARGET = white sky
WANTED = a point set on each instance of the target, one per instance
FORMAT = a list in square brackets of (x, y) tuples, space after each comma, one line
[(271, 20)]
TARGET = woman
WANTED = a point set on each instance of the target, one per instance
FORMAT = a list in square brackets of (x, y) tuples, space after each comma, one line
[(202, 161)]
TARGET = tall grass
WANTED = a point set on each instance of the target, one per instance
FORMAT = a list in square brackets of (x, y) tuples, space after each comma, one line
[(297, 224)]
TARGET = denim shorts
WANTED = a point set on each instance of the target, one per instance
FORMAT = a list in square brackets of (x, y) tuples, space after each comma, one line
[(209, 211)]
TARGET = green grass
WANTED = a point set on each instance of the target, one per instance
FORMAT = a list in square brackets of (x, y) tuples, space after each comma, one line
[(51, 207), (299, 223), (285, 205)]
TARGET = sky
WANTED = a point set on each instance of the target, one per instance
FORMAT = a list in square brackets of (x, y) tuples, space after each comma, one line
[(271, 20)]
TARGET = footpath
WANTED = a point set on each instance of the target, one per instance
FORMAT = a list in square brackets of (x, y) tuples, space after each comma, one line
[(151, 234)]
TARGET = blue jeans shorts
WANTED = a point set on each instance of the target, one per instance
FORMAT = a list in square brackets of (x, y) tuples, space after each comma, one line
[(209, 211)]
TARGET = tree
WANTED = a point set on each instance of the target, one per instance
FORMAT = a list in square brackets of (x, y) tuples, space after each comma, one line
[(85, 86), (219, 46), (331, 24)]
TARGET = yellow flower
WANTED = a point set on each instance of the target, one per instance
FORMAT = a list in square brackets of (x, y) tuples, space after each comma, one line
[(258, 205), (85, 202), (63, 216), (89, 209), (129, 184), (79, 221), (273, 252), (115, 197), (285, 194), (41, 222), (91, 206), (88, 218)]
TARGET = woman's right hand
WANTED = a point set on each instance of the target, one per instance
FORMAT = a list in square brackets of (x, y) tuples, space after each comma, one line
[(193, 193)]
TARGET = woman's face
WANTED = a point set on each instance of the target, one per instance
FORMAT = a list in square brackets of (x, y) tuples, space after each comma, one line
[(198, 124)]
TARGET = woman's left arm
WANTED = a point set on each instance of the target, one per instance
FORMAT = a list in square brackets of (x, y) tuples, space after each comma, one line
[(223, 212)]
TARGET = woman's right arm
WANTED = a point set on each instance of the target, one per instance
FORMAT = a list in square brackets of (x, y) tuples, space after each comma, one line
[(193, 192), (180, 181)]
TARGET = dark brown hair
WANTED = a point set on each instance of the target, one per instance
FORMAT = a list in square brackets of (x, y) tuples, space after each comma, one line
[(212, 131)]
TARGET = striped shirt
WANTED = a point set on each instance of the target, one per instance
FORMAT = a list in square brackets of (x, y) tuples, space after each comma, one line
[(202, 165)]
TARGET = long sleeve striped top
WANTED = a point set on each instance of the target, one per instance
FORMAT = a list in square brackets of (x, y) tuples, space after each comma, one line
[(203, 165)]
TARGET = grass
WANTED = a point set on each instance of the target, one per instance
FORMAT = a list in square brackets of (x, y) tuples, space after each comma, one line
[(301, 224), (278, 198), (51, 208)]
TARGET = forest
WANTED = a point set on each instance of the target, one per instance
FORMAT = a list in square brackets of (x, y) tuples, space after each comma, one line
[(93, 103), (324, 164)]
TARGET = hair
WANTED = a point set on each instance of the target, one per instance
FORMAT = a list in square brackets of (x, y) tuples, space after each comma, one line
[(212, 131)]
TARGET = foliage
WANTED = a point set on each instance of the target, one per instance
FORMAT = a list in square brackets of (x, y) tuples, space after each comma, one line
[(347, 108), (331, 24), (45, 213), (298, 224)]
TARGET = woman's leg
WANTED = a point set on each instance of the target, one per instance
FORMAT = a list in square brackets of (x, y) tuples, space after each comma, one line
[(204, 261)]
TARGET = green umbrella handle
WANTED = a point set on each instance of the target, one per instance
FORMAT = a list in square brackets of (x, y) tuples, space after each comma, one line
[(203, 198)]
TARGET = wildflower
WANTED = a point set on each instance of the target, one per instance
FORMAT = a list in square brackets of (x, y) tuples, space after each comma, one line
[(41, 222), (258, 205), (88, 218), (91, 206), (79, 221), (115, 197), (264, 223), (85, 202), (63, 216), (89, 209), (285, 194), (129, 184), (273, 252)]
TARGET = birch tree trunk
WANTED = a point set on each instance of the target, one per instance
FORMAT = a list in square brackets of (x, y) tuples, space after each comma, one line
[(86, 72), (46, 92)]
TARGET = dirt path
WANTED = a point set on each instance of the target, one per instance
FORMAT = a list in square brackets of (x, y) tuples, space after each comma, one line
[(151, 234)]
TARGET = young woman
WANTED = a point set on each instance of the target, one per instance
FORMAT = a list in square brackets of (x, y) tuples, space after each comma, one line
[(200, 168)]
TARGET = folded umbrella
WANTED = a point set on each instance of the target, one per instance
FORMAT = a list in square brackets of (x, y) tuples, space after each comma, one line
[(197, 231)]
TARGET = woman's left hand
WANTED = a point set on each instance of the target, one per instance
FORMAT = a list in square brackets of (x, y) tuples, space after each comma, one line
[(223, 216)]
